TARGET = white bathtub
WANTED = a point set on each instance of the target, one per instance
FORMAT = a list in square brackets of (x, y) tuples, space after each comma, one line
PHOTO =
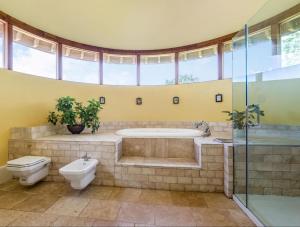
[(159, 133)]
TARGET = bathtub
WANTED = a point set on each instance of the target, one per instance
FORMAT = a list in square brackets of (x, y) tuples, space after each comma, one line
[(159, 133)]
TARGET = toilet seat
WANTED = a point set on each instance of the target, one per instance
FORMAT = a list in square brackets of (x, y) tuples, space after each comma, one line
[(27, 161), (27, 165)]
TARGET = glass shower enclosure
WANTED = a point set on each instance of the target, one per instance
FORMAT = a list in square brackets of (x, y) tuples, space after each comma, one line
[(266, 114)]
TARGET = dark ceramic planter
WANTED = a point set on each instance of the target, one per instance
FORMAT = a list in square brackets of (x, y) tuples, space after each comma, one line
[(75, 129)]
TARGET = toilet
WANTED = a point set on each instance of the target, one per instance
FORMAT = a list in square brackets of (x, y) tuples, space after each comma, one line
[(80, 172), (29, 169)]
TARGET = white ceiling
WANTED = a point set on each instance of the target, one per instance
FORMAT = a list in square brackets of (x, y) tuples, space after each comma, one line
[(134, 24)]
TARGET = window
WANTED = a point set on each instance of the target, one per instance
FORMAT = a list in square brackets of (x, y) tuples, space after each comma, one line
[(2, 43), (198, 65), (119, 69), (290, 42), (227, 60), (157, 69), (80, 65), (260, 44), (33, 55)]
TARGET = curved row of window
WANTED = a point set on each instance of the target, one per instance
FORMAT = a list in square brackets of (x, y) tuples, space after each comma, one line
[(38, 56)]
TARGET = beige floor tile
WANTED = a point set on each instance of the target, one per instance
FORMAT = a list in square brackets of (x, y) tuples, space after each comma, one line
[(219, 201), (155, 197), (101, 209), (112, 223), (8, 216), (97, 192), (73, 221), (126, 195), (37, 203), (51, 188), (10, 199), (136, 213), (174, 216), (70, 206), (34, 219), (240, 218), (188, 199), (11, 185), (212, 217)]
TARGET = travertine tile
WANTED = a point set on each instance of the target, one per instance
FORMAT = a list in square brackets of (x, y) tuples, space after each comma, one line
[(155, 197), (8, 216), (219, 200), (136, 213), (126, 195), (112, 224), (37, 203), (70, 206), (174, 216), (97, 192), (73, 221), (34, 219), (101, 209), (212, 217), (10, 199)]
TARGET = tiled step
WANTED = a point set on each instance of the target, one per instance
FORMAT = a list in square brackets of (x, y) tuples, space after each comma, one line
[(158, 162)]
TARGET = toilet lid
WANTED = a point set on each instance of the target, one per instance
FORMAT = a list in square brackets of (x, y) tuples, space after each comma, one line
[(26, 161)]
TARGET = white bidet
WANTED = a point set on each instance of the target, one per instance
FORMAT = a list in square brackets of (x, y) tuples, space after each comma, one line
[(80, 172)]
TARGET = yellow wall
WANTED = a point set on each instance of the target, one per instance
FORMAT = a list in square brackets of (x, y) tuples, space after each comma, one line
[(26, 100)]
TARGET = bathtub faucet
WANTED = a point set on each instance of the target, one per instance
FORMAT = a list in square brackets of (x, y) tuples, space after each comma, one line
[(203, 125), (86, 157)]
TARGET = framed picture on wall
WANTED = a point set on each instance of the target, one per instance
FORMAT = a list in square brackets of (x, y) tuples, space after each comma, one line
[(219, 98), (102, 100), (139, 101), (175, 100)]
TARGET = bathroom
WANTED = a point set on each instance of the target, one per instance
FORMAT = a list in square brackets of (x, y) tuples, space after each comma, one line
[(100, 127)]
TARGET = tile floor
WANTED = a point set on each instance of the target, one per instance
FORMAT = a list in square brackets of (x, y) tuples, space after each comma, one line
[(56, 204)]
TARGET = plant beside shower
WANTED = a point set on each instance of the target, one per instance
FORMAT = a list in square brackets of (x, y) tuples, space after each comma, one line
[(239, 121), (75, 115)]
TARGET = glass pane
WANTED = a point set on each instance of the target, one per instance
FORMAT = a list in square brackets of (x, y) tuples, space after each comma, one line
[(227, 60), (198, 65), (80, 65), (239, 90), (290, 42), (33, 55), (2, 35), (273, 143), (157, 69), (119, 69)]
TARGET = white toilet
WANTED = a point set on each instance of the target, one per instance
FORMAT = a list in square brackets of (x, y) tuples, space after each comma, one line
[(80, 172), (29, 169)]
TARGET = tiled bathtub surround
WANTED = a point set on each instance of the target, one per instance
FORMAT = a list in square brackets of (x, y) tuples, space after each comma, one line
[(112, 126), (210, 178), (159, 147)]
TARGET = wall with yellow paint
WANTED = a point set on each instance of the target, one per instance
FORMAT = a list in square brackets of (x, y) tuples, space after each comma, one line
[(26, 100)]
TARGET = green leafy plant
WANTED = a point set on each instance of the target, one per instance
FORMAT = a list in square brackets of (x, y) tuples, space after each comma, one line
[(70, 112), (238, 118)]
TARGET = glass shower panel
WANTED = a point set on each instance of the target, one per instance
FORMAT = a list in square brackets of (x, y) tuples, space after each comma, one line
[(271, 159), (239, 91)]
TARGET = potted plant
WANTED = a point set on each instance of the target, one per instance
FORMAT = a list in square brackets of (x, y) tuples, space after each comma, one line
[(239, 121), (75, 115)]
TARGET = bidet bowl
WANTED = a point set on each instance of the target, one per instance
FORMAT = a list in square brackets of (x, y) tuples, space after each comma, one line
[(80, 172)]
